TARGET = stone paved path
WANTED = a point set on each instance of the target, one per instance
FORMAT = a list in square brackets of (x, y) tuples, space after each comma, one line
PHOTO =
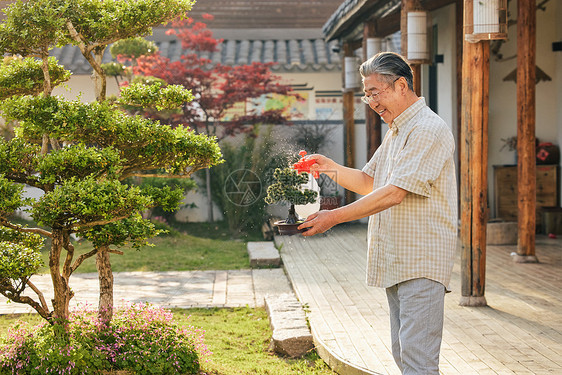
[(171, 289)]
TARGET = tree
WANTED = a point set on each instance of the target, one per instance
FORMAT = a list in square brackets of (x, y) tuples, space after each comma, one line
[(77, 153), (217, 88), (287, 188)]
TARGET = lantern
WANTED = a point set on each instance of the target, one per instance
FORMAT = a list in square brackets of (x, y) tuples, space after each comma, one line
[(374, 46), (351, 78), (418, 50), (485, 20)]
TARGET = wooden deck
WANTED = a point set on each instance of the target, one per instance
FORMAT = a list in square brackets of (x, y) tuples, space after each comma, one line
[(520, 332)]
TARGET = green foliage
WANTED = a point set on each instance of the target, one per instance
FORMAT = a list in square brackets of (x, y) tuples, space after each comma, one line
[(18, 261), (20, 257), (30, 240), (11, 194), (113, 69), (132, 231), (154, 95), (143, 143), (18, 160), (25, 76), (32, 27), (245, 170), (133, 47), (141, 339), (166, 197), (79, 202), (287, 188), (107, 21), (79, 161)]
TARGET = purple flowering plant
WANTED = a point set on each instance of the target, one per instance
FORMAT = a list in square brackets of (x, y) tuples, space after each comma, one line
[(141, 339)]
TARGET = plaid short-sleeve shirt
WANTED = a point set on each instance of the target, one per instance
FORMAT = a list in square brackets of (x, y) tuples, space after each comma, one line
[(416, 238)]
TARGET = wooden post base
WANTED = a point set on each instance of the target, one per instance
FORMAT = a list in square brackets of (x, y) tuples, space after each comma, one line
[(524, 258), (473, 301)]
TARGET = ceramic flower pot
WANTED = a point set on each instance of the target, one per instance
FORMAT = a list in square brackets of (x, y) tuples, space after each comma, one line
[(288, 229)]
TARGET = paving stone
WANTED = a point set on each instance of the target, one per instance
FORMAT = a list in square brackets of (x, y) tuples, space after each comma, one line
[(263, 254), (291, 334)]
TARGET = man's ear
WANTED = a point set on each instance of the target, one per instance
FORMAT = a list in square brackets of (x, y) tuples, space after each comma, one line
[(402, 85)]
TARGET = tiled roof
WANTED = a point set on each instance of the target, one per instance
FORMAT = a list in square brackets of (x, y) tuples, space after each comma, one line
[(265, 14), (346, 17), (291, 54)]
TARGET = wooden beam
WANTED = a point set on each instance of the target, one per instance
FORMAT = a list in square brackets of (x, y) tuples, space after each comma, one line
[(474, 171), (372, 119), (526, 152), (389, 24), (349, 123)]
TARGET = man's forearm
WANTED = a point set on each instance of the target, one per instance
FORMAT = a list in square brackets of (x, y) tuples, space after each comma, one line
[(374, 202), (352, 179)]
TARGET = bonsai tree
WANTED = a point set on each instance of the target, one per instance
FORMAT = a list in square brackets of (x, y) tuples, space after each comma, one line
[(287, 188), (78, 153)]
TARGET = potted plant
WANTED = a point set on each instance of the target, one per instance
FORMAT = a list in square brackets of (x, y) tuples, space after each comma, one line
[(287, 188)]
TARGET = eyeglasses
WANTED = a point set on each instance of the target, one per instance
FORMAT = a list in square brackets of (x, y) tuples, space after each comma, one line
[(368, 99)]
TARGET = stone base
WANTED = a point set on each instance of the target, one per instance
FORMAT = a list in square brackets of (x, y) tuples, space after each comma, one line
[(501, 233), (291, 334), (524, 258), (473, 301)]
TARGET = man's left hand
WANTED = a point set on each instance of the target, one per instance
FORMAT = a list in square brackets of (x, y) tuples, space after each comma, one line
[(319, 222)]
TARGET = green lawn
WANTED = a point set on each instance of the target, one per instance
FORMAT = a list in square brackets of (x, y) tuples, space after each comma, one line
[(178, 252)]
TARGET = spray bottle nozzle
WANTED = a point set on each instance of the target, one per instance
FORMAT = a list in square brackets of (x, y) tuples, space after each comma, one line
[(304, 165)]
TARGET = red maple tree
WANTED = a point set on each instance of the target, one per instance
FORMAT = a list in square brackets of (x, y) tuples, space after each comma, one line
[(223, 94)]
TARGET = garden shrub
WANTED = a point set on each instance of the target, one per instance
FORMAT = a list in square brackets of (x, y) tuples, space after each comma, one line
[(141, 339)]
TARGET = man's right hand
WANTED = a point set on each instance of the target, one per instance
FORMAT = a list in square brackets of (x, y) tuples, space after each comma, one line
[(323, 163)]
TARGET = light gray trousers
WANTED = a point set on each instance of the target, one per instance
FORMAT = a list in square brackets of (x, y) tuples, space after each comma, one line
[(416, 325)]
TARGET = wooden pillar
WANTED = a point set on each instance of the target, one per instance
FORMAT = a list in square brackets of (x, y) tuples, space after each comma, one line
[(372, 119), (459, 43), (474, 165), (408, 5), (349, 123), (459, 15), (526, 152)]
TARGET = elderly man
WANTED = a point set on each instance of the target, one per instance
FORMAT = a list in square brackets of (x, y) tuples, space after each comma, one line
[(410, 196)]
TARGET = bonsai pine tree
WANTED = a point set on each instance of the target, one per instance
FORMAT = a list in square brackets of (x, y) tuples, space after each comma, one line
[(287, 188), (78, 153)]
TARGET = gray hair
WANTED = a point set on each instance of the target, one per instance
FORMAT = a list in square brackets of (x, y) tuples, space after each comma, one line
[(390, 66)]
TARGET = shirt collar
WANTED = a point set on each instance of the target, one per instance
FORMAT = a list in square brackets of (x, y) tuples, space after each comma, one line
[(407, 115)]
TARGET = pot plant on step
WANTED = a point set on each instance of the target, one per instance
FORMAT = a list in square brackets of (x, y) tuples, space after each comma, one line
[(287, 188)]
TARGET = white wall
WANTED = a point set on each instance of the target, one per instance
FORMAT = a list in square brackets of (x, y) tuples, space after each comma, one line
[(503, 95), (83, 85), (444, 18)]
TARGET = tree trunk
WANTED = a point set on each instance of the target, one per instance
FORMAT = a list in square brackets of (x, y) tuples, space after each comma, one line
[(209, 195), (61, 288), (105, 276), (292, 218), (100, 81)]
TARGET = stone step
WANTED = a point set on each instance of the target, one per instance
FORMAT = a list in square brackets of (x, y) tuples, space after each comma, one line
[(291, 334), (263, 254)]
